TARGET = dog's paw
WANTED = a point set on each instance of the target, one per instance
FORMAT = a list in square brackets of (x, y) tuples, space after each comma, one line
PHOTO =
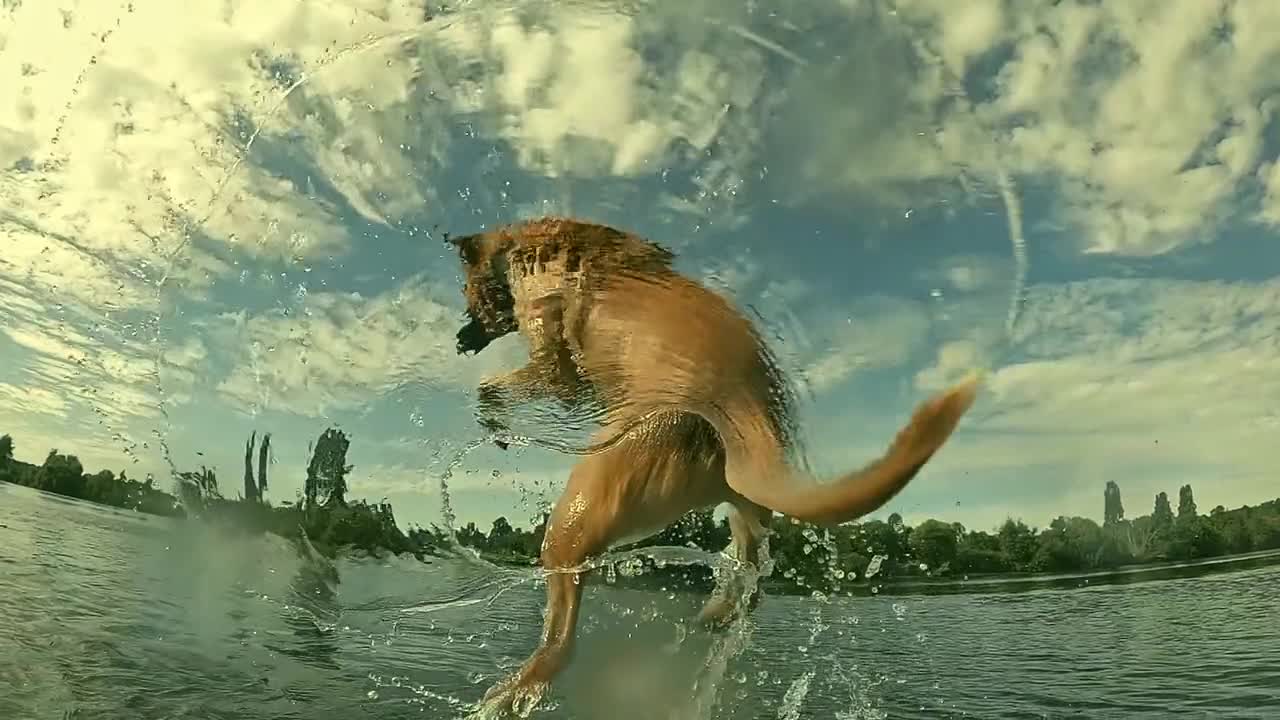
[(513, 697), (718, 614)]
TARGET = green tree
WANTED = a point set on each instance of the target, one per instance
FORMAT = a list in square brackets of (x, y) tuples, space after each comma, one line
[(102, 487), (697, 529), (803, 554), (882, 538), (1195, 537), (264, 455), (503, 538), (196, 489), (327, 472), (533, 541), (61, 474), (250, 487), (1140, 538), (1264, 530), (471, 536), (1113, 508), (1186, 503), (1162, 514), (934, 543), (980, 552), (1233, 526), (6, 458), (1069, 544), (1018, 544)]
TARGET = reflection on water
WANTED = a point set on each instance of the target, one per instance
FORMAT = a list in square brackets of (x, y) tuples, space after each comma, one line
[(111, 615), (229, 219), (226, 220)]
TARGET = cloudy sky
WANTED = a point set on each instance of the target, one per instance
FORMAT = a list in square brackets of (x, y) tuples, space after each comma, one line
[(223, 217)]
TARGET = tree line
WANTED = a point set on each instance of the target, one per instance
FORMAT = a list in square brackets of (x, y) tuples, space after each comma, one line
[(806, 558), (321, 512)]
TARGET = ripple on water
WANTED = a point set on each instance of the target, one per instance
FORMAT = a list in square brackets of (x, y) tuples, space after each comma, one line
[(128, 619)]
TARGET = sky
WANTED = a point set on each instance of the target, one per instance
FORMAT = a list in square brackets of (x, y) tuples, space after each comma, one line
[(221, 218)]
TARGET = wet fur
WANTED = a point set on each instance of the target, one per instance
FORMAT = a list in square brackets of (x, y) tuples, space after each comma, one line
[(696, 411)]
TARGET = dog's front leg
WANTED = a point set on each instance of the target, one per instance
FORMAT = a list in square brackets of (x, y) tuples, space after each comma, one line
[(496, 395), (582, 524), (550, 372), (491, 403)]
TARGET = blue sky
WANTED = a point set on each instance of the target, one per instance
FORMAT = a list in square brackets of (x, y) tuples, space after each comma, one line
[(222, 219)]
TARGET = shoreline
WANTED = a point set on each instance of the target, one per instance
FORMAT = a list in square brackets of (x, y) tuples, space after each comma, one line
[(694, 578), (1013, 583), (656, 579), (974, 585)]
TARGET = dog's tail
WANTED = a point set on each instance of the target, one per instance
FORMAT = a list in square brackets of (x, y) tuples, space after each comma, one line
[(756, 468)]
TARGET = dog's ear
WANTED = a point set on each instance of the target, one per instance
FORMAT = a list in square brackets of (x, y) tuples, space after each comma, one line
[(469, 248)]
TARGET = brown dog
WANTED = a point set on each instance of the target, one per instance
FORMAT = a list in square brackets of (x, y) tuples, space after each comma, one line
[(695, 410)]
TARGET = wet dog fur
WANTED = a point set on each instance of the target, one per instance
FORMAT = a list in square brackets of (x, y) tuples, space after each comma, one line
[(696, 411)]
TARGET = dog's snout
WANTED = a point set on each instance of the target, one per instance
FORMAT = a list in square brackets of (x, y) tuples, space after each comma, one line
[(472, 338)]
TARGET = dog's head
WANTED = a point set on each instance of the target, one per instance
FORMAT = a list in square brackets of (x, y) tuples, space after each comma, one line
[(490, 305)]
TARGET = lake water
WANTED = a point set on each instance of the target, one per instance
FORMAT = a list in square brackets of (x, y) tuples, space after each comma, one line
[(109, 614)]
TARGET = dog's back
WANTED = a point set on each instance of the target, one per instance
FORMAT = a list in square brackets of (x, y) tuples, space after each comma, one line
[(650, 339)]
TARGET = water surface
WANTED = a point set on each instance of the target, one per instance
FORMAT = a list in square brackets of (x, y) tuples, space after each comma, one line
[(112, 614)]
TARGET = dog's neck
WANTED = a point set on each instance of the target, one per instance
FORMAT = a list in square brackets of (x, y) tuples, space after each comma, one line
[(533, 275)]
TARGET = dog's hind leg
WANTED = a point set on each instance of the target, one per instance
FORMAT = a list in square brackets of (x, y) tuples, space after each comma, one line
[(749, 524)]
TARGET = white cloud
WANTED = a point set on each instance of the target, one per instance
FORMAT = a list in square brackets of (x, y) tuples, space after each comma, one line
[(1270, 176), (968, 273), (1150, 383), (874, 333), (1143, 125), (127, 129), (31, 401), (583, 82), (343, 351), (970, 296), (593, 92), (96, 451), (1149, 119), (68, 354), (1150, 116), (955, 360)]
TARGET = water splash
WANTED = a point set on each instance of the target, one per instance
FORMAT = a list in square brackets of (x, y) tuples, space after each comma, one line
[(873, 567), (1013, 211), (794, 699)]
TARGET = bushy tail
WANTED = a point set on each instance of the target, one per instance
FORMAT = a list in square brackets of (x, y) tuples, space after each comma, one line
[(756, 469)]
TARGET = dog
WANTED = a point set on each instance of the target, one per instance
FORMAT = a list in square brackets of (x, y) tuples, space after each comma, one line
[(695, 411)]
